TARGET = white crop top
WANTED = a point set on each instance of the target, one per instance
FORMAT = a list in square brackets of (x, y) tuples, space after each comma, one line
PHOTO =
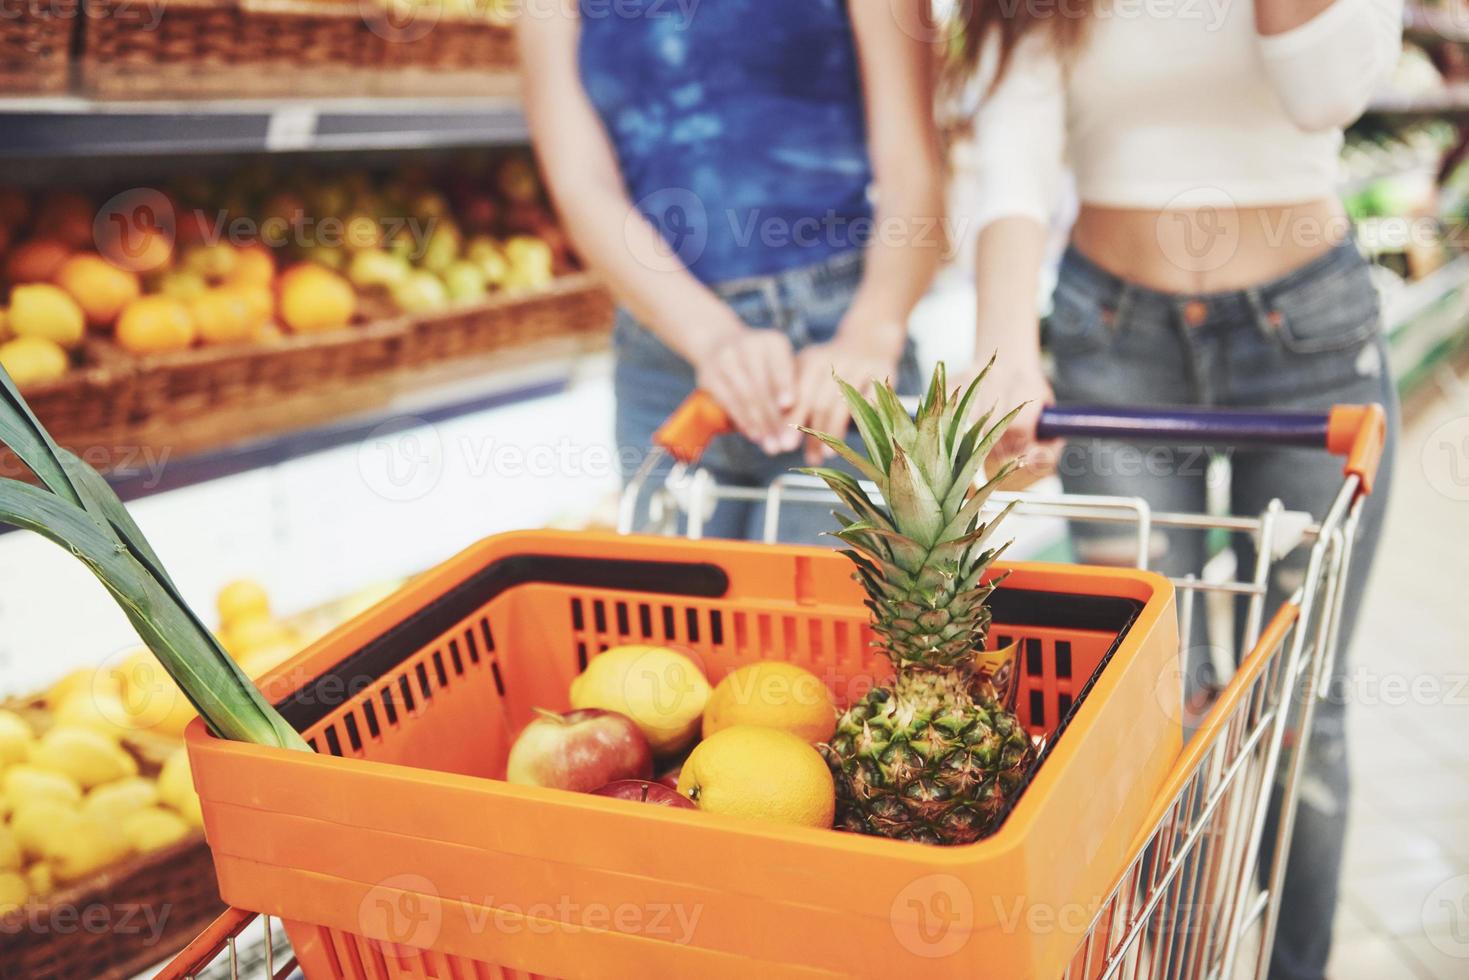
[(1180, 103)]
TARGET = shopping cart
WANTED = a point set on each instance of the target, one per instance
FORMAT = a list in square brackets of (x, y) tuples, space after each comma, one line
[(1195, 899)]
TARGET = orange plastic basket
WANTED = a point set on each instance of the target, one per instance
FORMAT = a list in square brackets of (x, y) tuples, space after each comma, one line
[(397, 850)]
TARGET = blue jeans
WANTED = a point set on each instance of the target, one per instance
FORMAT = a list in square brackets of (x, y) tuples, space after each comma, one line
[(650, 381), (1308, 340)]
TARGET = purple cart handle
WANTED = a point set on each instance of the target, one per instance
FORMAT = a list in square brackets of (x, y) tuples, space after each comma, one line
[(1354, 431)]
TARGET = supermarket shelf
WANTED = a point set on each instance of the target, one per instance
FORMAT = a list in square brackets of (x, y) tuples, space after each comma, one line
[(1419, 297), (178, 457), (1451, 99), (54, 126)]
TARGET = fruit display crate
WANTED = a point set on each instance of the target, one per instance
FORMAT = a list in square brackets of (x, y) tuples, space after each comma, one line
[(205, 396), (35, 46), (397, 848), (265, 48), (117, 922)]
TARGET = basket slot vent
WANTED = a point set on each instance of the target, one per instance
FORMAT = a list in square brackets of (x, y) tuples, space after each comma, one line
[(499, 681), (1002, 641), (407, 691), (581, 656), (669, 631), (1063, 658), (455, 659), (645, 620), (369, 714), (333, 743), (1063, 705), (484, 628), (691, 617), (816, 639), (578, 618), (716, 627), (1037, 709), (314, 747), (742, 632), (790, 636), (423, 684), (766, 638), (389, 709), (472, 645), (599, 615), (439, 670), (354, 737), (1034, 664), (623, 629)]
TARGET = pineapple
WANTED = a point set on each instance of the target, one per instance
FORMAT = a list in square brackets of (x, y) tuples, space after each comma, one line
[(936, 757)]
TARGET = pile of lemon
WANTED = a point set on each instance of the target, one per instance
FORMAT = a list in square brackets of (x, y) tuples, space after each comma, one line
[(746, 747), (73, 801)]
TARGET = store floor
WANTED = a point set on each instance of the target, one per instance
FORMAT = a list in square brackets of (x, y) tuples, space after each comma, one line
[(1404, 910)]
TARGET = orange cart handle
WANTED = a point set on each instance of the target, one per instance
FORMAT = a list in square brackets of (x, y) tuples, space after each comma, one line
[(1356, 432)]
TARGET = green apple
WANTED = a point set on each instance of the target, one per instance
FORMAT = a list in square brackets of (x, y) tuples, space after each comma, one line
[(421, 292), (485, 252), (465, 281), (442, 247), (374, 267)]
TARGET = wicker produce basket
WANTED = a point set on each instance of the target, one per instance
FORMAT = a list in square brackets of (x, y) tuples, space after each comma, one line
[(35, 46), (117, 923), (573, 305), (234, 48), (444, 52)]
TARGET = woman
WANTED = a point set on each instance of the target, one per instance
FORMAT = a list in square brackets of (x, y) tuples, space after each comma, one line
[(1210, 264), (759, 182)]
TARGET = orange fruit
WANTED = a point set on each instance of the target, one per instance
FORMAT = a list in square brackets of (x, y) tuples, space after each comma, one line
[(254, 265), (154, 324), (138, 250), (37, 260), (762, 773), (314, 299), (224, 316), (774, 694), (98, 286), (66, 216)]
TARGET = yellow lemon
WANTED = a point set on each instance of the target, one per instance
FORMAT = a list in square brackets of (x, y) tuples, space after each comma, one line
[(41, 878), (84, 754), (152, 828), (101, 710), (83, 680), (10, 856), (774, 694), (25, 784), (32, 361), (151, 698), (176, 787), (15, 739), (240, 600), (764, 773), (90, 846), (36, 824), (114, 801), (661, 689), (40, 309), (14, 890), (244, 636)]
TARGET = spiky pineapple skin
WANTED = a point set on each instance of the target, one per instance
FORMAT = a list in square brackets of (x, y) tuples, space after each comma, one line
[(924, 761)]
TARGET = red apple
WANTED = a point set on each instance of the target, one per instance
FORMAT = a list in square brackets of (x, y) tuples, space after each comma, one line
[(579, 750), (642, 791), (670, 778)]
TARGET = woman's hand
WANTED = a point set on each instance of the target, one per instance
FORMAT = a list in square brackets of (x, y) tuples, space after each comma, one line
[(1016, 378), (752, 375), (857, 355)]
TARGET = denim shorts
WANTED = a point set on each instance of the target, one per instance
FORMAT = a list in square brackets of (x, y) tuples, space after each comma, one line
[(650, 381)]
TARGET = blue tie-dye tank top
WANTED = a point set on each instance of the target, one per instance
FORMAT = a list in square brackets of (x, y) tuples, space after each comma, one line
[(738, 125)]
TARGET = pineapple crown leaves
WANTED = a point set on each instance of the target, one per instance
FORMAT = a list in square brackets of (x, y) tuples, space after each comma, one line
[(76, 509), (924, 537)]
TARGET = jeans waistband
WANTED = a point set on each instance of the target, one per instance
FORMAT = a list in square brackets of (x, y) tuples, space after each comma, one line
[(1079, 271), (815, 276)]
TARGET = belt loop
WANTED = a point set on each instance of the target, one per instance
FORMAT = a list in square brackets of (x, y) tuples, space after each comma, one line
[(1267, 321), (1121, 306)]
